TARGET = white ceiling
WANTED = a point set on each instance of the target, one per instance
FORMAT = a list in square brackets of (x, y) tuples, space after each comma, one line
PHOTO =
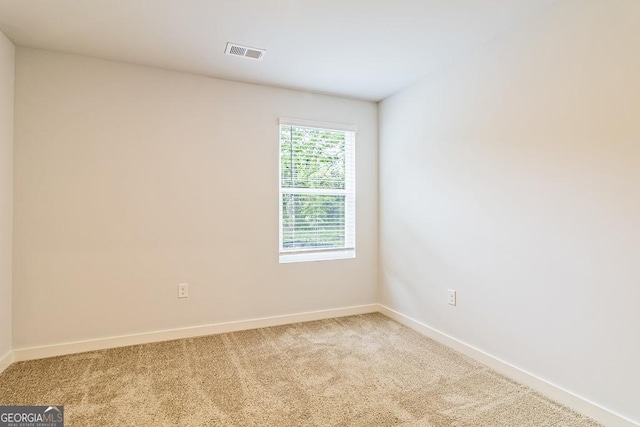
[(366, 49)]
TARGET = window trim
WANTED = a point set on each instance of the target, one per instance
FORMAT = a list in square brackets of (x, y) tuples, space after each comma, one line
[(304, 255), (287, 121)]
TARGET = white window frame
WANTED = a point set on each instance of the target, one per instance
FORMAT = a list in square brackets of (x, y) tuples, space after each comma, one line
[(349, 251)]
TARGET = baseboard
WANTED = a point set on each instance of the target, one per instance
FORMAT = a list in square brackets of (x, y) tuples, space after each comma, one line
[(5, 361), (557, 393), (190, 332)]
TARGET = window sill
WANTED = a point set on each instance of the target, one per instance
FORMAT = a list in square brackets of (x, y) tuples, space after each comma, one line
[(288, 257)]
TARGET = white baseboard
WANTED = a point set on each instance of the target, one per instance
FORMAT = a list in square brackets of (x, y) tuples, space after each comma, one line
[(190, 332), (557, 393), (5, 361)]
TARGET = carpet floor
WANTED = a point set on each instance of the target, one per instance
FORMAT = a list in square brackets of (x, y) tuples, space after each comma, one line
[(363, 370)]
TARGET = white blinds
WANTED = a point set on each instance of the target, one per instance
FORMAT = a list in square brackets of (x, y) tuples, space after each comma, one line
[(317, 187)]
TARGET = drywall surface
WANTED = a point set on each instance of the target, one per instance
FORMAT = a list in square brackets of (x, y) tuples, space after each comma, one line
[(130, 180), (7, 55), (512, 177)]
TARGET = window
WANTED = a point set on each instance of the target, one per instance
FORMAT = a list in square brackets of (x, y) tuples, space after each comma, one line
[(317, 191)]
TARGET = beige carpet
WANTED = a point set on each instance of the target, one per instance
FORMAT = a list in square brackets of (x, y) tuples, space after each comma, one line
[(354, 371)]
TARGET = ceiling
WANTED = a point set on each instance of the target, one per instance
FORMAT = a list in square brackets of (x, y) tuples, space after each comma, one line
[(365, 49)]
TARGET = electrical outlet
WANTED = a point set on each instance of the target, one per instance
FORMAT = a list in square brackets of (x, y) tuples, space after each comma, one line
[(452, 297), (183, 290)]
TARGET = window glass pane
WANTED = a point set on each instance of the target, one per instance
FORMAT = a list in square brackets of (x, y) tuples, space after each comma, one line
[(313, 221), (312, 158)]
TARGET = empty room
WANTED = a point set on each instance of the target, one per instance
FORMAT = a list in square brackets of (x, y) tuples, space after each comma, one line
[(320, 213)]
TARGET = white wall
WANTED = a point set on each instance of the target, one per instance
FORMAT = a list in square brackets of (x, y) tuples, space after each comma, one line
[(513, 176), (7, 55), (130, 180)]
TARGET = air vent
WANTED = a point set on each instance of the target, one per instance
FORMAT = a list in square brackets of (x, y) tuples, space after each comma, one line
[(244, 51)]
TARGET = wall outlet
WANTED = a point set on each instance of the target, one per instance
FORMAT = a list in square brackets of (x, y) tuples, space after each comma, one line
[(183, 290), (452, 297)]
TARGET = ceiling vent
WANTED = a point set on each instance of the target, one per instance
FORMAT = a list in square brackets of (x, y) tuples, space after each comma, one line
[(244, 51)]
